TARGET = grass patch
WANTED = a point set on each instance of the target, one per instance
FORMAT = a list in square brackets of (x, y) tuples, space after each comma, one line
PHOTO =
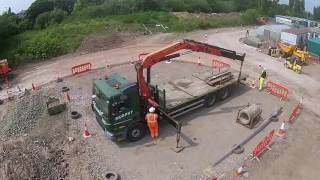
[(38, 45)]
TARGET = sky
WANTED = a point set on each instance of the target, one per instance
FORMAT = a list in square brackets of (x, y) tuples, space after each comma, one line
[(18, 5), (309, 4)]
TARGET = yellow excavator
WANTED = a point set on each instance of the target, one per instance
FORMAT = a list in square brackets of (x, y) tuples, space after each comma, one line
[(294, 64), (288, 50)]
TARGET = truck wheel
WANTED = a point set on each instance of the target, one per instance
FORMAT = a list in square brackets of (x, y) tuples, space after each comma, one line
[(136, 132), (211, 100), (224, 93)]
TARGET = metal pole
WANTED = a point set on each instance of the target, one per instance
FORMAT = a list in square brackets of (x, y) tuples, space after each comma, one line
[(240, 73), (148, 75)]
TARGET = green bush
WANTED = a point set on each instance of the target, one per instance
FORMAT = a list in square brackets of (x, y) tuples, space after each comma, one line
[(49, 18), (250, 16)]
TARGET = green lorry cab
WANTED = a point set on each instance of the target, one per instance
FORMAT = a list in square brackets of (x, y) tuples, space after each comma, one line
[(116, 104)]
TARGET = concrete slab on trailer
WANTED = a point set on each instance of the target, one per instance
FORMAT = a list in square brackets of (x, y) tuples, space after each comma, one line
[(179, 91)]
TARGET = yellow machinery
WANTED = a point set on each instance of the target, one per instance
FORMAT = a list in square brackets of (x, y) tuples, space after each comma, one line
[(302, 55), (286, 49), (294, 64)]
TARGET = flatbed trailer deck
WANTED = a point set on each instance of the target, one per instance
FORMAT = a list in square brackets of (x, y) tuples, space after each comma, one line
[(183, 90)]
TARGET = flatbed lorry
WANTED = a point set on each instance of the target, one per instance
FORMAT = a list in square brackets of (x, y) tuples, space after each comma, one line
[(120, 106)]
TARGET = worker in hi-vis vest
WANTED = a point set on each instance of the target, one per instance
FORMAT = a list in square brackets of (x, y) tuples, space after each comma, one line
[(262, 79), (152, 121)]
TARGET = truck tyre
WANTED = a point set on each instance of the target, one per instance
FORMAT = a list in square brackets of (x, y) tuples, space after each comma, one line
[(110, 175), (211, 100), (224, 93), (136, 132)]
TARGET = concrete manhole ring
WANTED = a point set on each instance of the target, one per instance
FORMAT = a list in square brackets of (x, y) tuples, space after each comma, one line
[(112, 176), (75, 115), (238, 150), (65, 89)]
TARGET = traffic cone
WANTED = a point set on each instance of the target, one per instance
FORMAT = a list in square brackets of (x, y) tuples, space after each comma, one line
[(67, 97), (7, 83), (106, 72), (253, 84), (34, 87), (199, 63), (86, 133), (239, 171), (281, 132)]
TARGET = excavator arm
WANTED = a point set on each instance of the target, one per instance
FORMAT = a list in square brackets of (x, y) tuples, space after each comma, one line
[(167, 53)]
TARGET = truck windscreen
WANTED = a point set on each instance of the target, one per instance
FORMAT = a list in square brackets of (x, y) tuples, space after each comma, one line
[(101, 101)]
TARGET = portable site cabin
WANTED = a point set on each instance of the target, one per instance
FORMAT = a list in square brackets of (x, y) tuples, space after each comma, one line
[(295, 36), (295, 21)]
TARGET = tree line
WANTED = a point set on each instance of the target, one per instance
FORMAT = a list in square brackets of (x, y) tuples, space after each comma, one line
[(43, 13)]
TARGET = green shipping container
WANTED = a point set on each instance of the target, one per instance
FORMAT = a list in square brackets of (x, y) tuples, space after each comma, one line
[(314, 46)]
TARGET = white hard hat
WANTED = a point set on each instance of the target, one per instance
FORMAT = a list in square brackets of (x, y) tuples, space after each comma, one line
[(152, 109), (264, 68)]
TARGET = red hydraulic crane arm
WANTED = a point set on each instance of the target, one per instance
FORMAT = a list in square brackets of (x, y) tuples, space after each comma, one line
[(165, 53)]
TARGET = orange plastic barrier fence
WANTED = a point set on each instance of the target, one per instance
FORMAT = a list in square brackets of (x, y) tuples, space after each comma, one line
[(219, 64), (81, 68), (277, 89), (295, 112), (262, 145), (313, 58)]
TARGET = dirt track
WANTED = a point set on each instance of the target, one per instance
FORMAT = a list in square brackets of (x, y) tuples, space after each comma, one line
[(281, 162)]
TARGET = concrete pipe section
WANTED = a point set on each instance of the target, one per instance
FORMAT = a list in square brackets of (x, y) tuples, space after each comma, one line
[(249, 114)]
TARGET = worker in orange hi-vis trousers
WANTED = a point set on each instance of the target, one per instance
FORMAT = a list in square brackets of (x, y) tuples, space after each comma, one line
[(152, 120)]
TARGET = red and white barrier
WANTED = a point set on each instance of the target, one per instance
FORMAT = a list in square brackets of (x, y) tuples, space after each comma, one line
[(262, 146), (219, 64), (277, 89), (81, 68)]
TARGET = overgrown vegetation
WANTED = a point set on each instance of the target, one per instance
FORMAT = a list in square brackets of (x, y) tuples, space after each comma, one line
[(54, 27)]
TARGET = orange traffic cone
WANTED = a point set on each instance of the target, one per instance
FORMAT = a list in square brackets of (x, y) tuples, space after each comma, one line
[(281, 132), (199, 63), (67, 97), (253, 84), (34, 87), (86, 133), (7, 83), (239, 171)]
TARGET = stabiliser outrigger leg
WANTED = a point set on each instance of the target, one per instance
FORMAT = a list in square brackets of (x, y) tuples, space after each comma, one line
[(176, 124)]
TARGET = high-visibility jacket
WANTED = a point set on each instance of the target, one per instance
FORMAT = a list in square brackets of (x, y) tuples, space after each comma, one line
[(152, 119), (263, 74)]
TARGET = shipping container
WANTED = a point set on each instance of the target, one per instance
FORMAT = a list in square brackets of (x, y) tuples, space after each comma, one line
[(314, 46)]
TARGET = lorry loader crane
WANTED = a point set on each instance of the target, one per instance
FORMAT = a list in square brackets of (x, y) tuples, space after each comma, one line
[(120, 106)]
